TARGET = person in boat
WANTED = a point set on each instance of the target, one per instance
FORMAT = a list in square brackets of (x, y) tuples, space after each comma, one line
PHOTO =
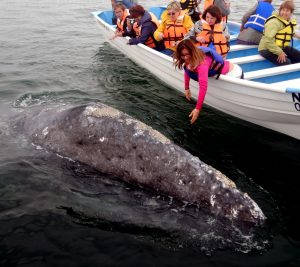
[(198, 63), (144, 25), (211, 31), (275, 45), (253, 23), (123, 22), (126, 3), (191, 7), (224, 6), (175, 24)]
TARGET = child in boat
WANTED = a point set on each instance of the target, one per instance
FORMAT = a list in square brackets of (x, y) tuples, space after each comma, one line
[(123, 22), (191, 7), (253, 23), (277, 37), (198, 66), (211, 31), (224, 6), (175, 24), (144, 26)]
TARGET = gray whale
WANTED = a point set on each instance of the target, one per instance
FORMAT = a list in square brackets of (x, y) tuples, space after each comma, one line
[(115, 143)]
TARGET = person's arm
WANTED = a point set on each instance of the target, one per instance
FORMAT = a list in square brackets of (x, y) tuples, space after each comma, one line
[(129, 33), (247, 15), (158, 34), (187, 90), (226, 31), (118, 33), (128, 29), (192, 34), (202, 71), (146, 31), (187, 23), (271, 28)]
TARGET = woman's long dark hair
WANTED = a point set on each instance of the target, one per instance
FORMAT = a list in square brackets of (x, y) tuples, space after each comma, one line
[(197, 56)]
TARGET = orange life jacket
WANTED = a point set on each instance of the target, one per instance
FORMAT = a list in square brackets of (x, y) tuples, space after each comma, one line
[(174, 31), (215, 37), (120, 22), (150, 42), (208, 3)]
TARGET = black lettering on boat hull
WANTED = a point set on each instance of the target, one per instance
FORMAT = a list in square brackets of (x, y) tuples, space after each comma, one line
[(296, 100)]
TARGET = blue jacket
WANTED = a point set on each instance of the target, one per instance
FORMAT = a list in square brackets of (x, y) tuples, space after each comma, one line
[(257, 21), (147, 30), (215, 68)]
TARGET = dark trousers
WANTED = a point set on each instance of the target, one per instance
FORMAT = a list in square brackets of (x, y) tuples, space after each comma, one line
[(293, 56)]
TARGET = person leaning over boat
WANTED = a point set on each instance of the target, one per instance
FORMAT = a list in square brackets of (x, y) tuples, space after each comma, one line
[(123, 22), (126, 3), (214, 32), (191, 7), (253, 23), (145, 25), (198, 63), (277, 36), (175, 24), (224, 6)]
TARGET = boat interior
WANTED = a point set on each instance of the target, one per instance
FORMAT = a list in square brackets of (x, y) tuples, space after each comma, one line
[(255, 67)]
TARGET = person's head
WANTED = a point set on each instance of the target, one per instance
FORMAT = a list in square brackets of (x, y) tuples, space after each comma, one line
[(269, 1), (212, 15), (173, 10), (187, 53), (286, 9), (136, 12), (119, 10)]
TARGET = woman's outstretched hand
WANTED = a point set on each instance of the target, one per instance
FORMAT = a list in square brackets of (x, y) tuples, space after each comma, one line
[(117, 34), (194, 115), (187, 93)]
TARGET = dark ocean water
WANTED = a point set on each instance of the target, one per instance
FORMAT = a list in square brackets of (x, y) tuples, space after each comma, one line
[(55, 212)]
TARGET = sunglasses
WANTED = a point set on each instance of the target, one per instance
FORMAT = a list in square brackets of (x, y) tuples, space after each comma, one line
[(184, 55)]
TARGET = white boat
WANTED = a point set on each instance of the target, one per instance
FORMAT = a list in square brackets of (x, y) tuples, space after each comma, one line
[(268, 95)]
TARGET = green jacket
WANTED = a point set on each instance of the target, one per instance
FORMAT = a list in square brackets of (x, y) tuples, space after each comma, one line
[(267, 42)]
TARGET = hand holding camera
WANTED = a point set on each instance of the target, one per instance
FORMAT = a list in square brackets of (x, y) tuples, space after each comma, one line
[(130, 22)]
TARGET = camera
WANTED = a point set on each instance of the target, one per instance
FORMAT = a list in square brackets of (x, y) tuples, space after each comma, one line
[(131, 21)]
